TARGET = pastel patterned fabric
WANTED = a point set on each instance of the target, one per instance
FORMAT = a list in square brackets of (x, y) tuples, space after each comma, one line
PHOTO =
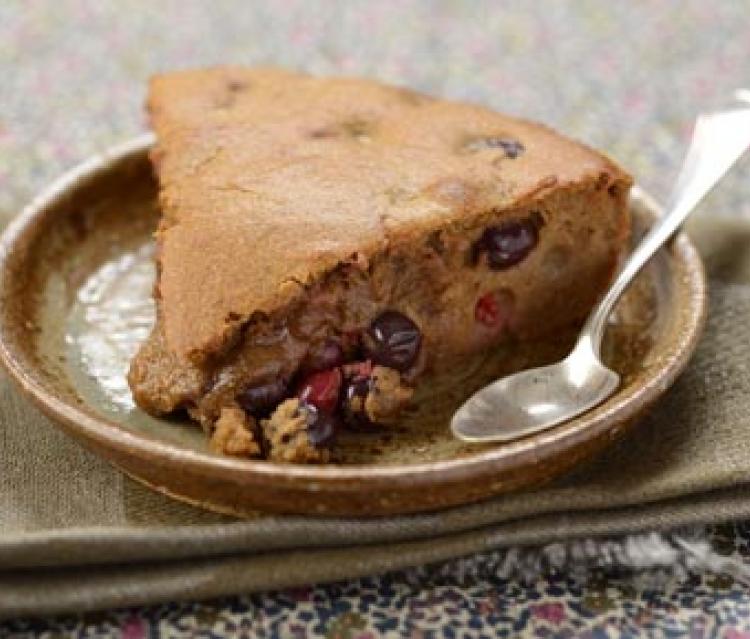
[(624, 77)]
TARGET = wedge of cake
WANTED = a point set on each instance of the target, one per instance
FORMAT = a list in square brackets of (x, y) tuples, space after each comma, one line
[(325, 243)]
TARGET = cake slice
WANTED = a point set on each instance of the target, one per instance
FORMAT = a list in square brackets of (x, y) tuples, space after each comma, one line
[(325, 243)]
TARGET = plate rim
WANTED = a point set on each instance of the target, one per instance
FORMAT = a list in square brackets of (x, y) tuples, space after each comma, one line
[(103, 431)]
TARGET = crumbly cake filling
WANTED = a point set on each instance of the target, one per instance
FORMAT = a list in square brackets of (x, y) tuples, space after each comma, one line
[(349, 351)]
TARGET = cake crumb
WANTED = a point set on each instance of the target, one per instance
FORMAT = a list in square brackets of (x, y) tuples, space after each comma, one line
[(286, 432), (387, 396), (234, 434)]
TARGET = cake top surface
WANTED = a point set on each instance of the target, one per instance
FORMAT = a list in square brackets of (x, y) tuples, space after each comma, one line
[(268, 179)]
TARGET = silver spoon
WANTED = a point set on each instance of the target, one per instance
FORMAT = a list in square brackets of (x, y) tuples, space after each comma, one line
[(535, 399)]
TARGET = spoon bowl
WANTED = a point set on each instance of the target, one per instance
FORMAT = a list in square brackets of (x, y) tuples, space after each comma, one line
[(537, 398)]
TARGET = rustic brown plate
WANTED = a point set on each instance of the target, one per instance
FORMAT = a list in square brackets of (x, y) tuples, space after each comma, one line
[(75, 284)]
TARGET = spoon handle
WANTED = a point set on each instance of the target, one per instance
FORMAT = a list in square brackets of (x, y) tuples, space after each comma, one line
[(719, 139)]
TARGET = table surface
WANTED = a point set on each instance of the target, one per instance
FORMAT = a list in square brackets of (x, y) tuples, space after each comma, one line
[(624, 77)]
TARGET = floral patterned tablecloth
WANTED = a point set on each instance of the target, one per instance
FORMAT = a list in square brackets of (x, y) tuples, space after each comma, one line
[(626, 77), (481, 596)]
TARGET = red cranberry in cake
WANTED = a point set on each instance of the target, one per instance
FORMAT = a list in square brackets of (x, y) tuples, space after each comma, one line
[(494, 310), (321, 389)]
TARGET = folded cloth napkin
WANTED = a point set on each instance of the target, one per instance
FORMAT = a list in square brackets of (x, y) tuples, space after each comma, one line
[(76, 535)]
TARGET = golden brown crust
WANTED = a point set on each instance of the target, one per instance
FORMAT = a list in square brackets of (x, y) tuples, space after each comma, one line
[(269, 179), (159, 380)]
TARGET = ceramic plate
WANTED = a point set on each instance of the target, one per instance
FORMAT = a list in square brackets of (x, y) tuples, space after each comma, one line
[(76, 274)]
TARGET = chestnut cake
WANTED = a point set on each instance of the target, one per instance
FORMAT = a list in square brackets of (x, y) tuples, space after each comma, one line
[(326, 243)]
